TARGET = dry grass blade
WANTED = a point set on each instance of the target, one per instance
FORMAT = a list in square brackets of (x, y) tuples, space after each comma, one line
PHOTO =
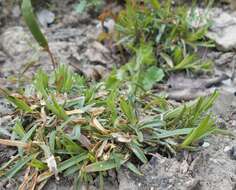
[(24, 184), (74, 112), (14, 143), (44, 176), (100, 150), (34, 181), (95, 123), (97, 111), (52, 165)]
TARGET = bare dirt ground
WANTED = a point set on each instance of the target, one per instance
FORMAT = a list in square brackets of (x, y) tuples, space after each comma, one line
[(72, 38)]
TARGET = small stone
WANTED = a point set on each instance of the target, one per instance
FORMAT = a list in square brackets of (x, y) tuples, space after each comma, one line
[(205, 144), (223, 30), (15, 41), (227, 149), (46, 17)]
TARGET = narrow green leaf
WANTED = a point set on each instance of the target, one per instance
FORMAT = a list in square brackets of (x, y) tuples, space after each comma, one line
[(20, 104), (172, 133), (31, 22), (128, 110), (71, 171), (71, 162), (70, 145), (167, 59), (26, 137), (41, 83), (133, 168), (177, 55), (186, 62), (205, 127), (18, 166), (138, 152), (57, 109), (140, 135), (102, 166), (76, 132), (160, 34), (18, 129), (52, 140)]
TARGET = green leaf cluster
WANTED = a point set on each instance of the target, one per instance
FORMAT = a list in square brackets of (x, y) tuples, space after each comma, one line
[(86, 132), (174, 40)]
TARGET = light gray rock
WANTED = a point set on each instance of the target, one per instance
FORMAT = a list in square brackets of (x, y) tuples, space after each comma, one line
[(225, 103), (223, 26), (223, 29), (45, 17), (15, 41)]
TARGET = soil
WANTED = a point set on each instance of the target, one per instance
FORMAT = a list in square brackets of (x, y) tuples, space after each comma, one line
[(72, 38)]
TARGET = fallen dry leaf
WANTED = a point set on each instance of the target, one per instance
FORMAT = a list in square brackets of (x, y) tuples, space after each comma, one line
[(73, 112), (97, 111), (14, 143), (52, 165), (95, 123)]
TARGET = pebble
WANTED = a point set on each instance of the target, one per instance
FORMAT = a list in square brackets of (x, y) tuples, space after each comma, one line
[(205, 145), (45, 17), (227, 149)]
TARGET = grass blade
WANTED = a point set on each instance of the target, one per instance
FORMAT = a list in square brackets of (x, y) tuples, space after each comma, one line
[(138, 152), (30, 19), (71, 162), (205, 127), (20, 104), (102, 166), (31, 22), (18, 166), (133, 168)]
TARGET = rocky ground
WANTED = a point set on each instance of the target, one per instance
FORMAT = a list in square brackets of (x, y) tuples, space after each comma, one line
[(72, 39)]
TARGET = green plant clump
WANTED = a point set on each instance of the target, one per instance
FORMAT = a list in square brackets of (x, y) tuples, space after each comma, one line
[(175, 41), (64, 126)]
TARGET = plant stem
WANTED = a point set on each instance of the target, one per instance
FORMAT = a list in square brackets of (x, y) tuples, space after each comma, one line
[(54, 63)]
